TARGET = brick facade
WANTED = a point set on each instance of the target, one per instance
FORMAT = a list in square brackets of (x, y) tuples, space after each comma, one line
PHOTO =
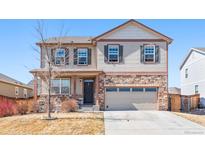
[(159, 81)]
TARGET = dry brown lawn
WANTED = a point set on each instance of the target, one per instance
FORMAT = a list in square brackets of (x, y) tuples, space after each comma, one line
[(200, 119), (66, 124)]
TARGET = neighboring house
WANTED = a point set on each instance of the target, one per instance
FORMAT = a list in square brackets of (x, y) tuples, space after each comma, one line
[(125, 68), (174, 90), (192, 74), (12, 88), (31, 84)]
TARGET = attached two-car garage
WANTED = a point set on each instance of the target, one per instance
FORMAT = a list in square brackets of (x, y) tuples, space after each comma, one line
[(125, 98)]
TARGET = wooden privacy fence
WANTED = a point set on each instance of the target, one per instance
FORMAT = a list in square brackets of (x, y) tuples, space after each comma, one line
[(183, 103), (6, 99)]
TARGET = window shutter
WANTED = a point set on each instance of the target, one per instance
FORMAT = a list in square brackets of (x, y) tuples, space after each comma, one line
[(89, 56), (121, 54), (106, 53), (157, 54), (52, 56), (142, 54), (75, 57), (66, 57)]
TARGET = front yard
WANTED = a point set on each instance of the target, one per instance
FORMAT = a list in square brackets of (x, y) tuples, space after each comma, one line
[(66, 124), (200, 119)]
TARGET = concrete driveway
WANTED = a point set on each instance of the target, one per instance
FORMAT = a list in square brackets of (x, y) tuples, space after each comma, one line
[(148, 122)]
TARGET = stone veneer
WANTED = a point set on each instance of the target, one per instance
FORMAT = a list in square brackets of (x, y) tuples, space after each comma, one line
[(159, 81)]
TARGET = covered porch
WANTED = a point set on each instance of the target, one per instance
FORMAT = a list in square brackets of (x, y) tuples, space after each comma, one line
[(78, 84)]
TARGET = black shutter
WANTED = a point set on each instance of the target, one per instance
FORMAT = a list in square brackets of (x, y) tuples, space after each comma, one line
[(75, 57), (157, 54), (121, 53), (106, 53), (66, 57), (52, 56), (89, 56), (142, 54)]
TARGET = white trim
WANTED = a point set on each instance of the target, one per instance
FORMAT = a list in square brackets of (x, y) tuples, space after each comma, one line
[(118, 59), (86, 56), (189, 53), (60, 86), (149, 45), (57, 50)]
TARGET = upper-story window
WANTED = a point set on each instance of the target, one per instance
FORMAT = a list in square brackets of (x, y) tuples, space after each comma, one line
[(196, 89), (16, 91), (25, 93), (82, 56), (149, 53), (113, 53), (186, 73), (60, 57)]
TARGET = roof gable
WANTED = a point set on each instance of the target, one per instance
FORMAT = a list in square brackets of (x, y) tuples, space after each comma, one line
[(198, 51), (132, 30)]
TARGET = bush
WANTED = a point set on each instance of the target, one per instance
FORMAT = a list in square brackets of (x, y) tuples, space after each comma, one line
[(22, 107), (8, 108), (70, 105), (26, 106)]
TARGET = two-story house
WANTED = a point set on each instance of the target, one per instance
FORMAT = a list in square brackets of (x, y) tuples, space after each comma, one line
[(192, 74), (125, 68)]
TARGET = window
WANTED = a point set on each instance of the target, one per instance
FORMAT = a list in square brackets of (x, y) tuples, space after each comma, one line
[(65, 86), (186, 73), (25, 93), (16, 91), (113, 53), (60, 86), (124, 89), (150, 89), (149, 53), (60, 57), (111, 89), (196, 89), (82, 56), (137, 89)]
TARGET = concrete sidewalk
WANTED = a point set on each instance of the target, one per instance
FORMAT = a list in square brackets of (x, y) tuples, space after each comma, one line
[(148, 123)]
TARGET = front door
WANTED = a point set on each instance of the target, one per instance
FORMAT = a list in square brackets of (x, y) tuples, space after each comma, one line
[(88, 91)]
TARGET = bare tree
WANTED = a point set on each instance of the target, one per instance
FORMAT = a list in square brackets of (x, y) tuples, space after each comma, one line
[(48, 72)]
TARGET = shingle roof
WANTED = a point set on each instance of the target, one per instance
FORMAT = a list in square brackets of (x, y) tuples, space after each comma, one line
[(69, 39), (5, 78), (201, 49)]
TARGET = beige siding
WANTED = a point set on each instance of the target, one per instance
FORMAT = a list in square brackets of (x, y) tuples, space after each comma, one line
[(9, 90), (71, 65), (79, 86), (131, 32), (131, 58)]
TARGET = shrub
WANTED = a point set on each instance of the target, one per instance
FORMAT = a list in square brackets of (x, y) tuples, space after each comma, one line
[(22, 107), (7, 108), (70, 105)]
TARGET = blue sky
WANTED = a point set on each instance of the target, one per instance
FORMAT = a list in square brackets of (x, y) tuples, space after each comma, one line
[(18, 36)]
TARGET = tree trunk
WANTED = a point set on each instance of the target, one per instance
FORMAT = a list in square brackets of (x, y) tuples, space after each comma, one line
[(49, 92)]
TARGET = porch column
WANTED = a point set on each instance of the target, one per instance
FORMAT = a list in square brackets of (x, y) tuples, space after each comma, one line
[(97, 90), (74, 87), (35, 87)]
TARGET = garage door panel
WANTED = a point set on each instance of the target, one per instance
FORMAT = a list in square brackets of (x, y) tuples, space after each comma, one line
[(130, 100)]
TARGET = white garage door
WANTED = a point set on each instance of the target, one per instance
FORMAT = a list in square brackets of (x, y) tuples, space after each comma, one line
[(131, 98)]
